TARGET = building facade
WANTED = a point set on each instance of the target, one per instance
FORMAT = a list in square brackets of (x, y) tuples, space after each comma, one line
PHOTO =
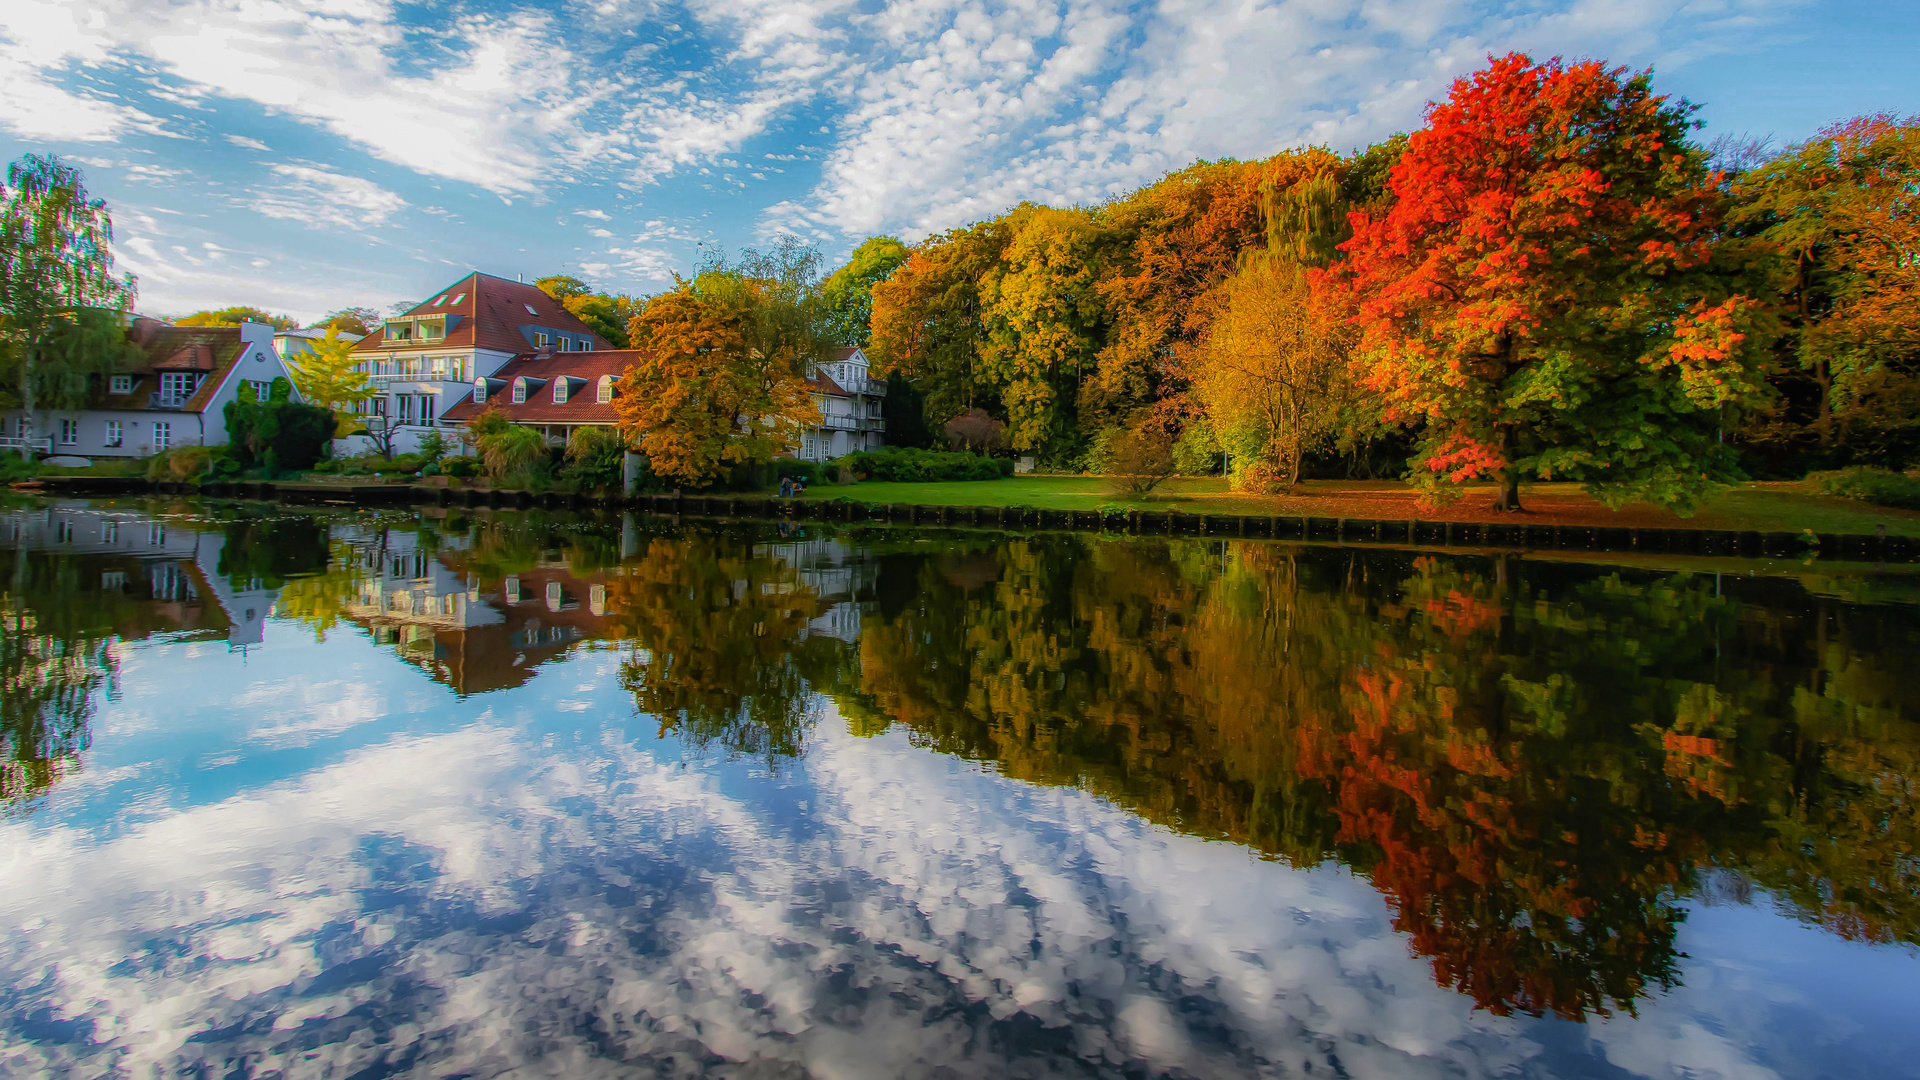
[(175, 394), (850, 401), (425, 360)]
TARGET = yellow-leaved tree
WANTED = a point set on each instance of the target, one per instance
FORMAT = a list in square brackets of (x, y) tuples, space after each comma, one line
[(330, 376), (1271, 375), (726, 358)]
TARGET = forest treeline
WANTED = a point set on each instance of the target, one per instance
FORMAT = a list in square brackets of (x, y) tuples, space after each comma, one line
[(1552, 278)]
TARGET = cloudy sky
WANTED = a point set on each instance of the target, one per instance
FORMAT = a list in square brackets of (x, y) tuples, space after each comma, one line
[(301, 155)]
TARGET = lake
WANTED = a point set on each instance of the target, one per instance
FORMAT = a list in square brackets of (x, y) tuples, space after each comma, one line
[(365, 794)]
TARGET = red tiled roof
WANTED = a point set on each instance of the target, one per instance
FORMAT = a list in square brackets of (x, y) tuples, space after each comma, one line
[(583, 402), (821, 384), (489, 315), (212, 350)]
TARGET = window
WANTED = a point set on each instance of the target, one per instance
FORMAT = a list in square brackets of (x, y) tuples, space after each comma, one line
[(520, 391), (406, 408), (426, 409), (120, 384), (176, 384), (540, 340), (262, 389), (560, 390), (606, 389), (162, 434), (438, 300), (479, 391), (69, 432), (116, 435), (460, 298), (529, 308), (512, 590), (597, 599)]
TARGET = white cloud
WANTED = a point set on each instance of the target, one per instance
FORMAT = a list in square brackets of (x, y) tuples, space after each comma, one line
[(247, 144), (319, 197)]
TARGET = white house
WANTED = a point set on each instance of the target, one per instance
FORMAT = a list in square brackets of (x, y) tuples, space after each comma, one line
[(849, 400), (175, 395), (427, 359)]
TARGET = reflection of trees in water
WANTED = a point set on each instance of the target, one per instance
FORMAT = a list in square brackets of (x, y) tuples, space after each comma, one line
[(1534, 763), (55, 656), (717, 633)]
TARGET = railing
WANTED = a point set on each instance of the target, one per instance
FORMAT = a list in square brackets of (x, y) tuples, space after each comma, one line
[(876, 387), (423, 376), (162, 400), (16, 444), (873, 423)]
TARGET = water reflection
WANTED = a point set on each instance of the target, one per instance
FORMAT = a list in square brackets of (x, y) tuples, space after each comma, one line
[(1554, 783)]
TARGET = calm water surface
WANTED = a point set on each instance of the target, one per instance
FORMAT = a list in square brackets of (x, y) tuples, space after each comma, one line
[(357, 795)]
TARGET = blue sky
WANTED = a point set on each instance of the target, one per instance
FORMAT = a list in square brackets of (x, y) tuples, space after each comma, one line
[(302, 155)]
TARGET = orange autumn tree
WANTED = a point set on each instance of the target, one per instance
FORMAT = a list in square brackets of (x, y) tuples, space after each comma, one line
[(723, 376), (1551, 293)]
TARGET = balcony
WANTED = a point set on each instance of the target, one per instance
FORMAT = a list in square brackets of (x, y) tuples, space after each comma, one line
[(874, 387), (169, 399)]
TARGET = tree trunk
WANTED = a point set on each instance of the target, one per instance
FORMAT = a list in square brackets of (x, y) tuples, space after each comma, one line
[(27, 402), (1508, 498)]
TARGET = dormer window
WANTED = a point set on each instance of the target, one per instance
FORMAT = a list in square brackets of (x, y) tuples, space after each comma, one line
[(434, 328), (560, 390), (540, 340), (399, 330), (520, 391), (480, 391), (606, 389), (120, 384)]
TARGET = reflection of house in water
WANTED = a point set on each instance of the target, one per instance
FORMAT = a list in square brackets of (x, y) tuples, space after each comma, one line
[(835, 573), (473, 631), (169, 568)]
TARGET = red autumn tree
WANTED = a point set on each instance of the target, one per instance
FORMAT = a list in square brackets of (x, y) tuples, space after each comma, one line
[(1551, 293)]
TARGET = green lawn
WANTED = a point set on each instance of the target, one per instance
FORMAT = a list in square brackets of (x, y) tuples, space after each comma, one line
[(1770, 507)]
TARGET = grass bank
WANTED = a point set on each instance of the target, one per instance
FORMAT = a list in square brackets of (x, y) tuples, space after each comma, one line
[(1762, 507)]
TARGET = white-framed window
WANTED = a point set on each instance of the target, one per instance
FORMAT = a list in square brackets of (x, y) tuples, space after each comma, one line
[(560, 390), (606, 390), (441, 299), (116, 433), (520, 390), (540, 340), (120, 384), (530, 310), (69, 432), (162, 434), (426, 409), (406, 408), (176, 383), (511, 589), (597, 599), (479, 391), (262, 389)]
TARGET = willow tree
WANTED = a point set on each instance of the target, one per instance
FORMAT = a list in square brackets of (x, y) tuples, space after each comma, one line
[(62, 307)]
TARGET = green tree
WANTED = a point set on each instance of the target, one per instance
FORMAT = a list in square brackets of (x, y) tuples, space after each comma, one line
[(62, 306), (1045, 321), (1844, 210), (330, 376), (234, 316), (849, 290), (603, 314), (928, 321), (352, 320)]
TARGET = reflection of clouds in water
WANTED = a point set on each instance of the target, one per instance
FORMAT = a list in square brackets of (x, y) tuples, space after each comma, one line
[(467, 904)]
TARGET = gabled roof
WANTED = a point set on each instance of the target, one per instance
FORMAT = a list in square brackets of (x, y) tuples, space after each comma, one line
[(582, 405), (821, 384), (489, 314), (208, 350)]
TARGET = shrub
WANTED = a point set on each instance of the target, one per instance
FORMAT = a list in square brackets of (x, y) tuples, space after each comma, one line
[(908, 465), (1197, 453), (1135, 461), (511, 453), (594, 459), (975, 430), (180, 463), (813, 472), (460, 466), (278, 435), (1877, 486)]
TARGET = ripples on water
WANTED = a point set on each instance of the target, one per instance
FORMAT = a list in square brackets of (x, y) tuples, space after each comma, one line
[(358, 795)]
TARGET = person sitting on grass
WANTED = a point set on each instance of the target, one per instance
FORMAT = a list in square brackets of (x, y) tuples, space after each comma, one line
[(786, 487)]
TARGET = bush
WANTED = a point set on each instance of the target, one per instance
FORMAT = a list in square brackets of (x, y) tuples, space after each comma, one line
[(512, 454), (907, 465), (180, 463), (460, 466), (594, 459), (1877, 486), (813, 472), (278, 435)]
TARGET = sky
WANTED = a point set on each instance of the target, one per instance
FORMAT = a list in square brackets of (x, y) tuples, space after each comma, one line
[(306, 155)]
